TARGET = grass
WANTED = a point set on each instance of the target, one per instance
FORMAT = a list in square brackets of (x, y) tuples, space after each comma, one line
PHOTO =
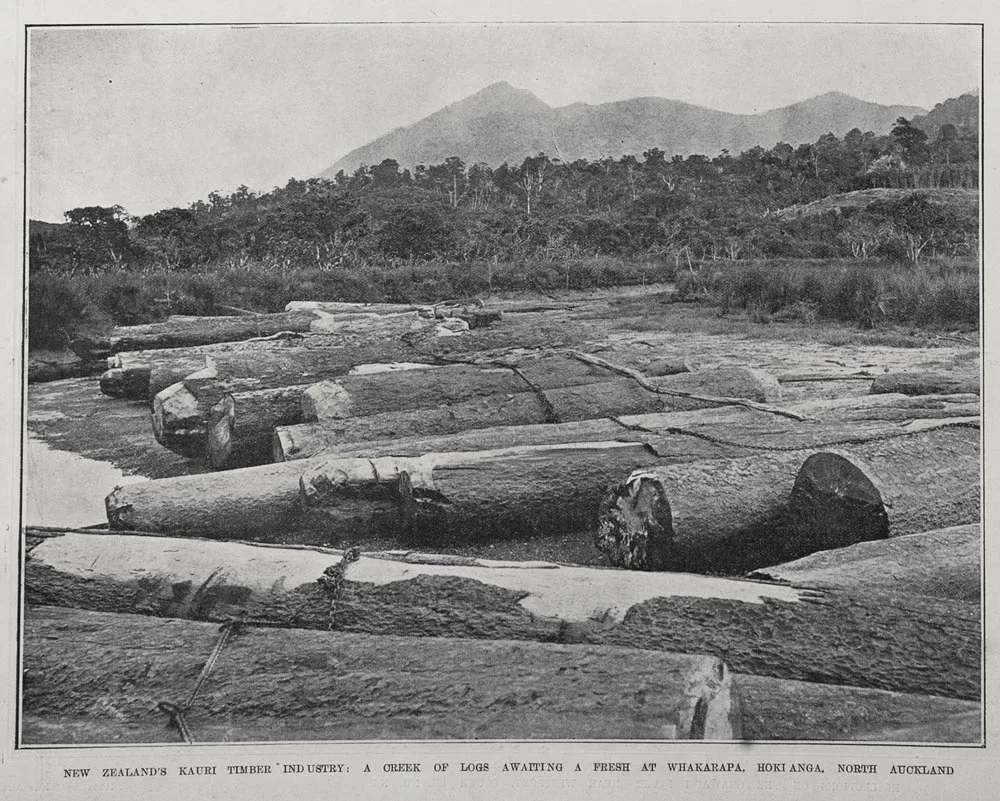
[(934, 294), (872, 297)]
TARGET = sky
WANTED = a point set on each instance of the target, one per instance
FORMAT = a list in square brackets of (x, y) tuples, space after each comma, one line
[(153, 117)]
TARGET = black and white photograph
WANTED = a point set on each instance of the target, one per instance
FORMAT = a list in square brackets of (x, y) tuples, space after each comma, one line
[(605, 383)]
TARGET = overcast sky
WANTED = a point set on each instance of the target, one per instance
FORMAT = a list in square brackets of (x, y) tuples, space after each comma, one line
[(155, 117)]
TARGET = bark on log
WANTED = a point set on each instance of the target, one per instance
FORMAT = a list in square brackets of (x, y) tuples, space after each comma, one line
[(565, 404), (181, 411), (891, 487), (924, 384), (459, 397), (736, 515), (784, 709), (428, 687), (867, 415), (875, 638), (343, 308), (258, 503), (365, 395), (181, 334), (943, 564)]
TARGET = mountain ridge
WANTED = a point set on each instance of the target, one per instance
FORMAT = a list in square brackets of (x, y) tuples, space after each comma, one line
[(502, 122)]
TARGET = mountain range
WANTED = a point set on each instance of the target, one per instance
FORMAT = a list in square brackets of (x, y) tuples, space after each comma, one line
[(503, 123)]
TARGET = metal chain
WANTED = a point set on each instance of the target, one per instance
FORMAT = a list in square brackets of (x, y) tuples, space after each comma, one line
[(332, 581)]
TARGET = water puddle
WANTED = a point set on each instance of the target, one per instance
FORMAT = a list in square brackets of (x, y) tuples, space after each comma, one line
[(64, 489)]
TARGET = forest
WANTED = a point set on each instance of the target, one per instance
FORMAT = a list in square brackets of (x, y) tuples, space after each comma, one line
[(456, 229)]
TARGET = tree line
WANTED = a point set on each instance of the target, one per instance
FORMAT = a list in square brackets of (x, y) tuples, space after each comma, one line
[(687, 209)]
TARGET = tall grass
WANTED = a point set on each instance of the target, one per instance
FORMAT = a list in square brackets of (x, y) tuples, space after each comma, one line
[(943, 292), (60, 304)]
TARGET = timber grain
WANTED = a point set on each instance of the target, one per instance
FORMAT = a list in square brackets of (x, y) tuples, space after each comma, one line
[(115, 669), (732, 515), (189, 332), (856, 417), (924, 384), (944, 564), (872, 638)]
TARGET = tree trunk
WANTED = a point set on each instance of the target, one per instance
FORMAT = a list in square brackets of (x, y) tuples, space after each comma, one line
[(872, 638), (181, 411), (427, 687), (943, 564), (728, 516), (891, 487), (459, 397), (365, 395), (784, 709), (826, 424), (185, 333), (565, 404), (343, 309), (925, 384), (260, 503)]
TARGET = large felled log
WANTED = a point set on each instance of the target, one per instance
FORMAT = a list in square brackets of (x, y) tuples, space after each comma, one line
[(886, 640), (735, 515), (344, 308), (828, 421), (251, 504), (564, 404), (944, 563), (364, 395), (891, 487), (460, 397), (784, 709), (428, 687), (924, 384), (185, 333), (181, 411)]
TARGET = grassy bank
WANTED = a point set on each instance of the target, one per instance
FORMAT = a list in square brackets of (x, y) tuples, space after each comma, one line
[(940, 293)]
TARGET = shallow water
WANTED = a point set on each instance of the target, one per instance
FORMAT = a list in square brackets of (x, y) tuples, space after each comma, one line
[(64, 489)]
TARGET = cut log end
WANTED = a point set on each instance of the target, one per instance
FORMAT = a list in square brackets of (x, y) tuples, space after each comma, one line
[(177, 423), (636, 527), (837, 502), (283, 448)]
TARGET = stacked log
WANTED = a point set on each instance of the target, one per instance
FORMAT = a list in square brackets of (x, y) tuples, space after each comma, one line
[(943, 564), (825, 422), (926, 645), (924, 384), (460, 397), (187, 333), (733, 515), (78, 661), (527, 491)]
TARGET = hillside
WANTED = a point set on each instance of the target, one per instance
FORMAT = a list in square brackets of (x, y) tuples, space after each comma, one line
[(504, 124), (965, 201)]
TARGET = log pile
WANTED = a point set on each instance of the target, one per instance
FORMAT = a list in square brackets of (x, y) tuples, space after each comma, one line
[(750, 550)]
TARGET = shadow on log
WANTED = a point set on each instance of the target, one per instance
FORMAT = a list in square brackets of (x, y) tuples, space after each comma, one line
[(868, 638), (730, 516), (273, 684)]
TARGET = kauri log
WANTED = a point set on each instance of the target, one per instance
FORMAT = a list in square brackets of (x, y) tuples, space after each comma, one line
[(857, 417), (279, 684), (784, 709), (185, 333), (882, 639), (740, 514), (945, 564), (925, 384), (891, 487)]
